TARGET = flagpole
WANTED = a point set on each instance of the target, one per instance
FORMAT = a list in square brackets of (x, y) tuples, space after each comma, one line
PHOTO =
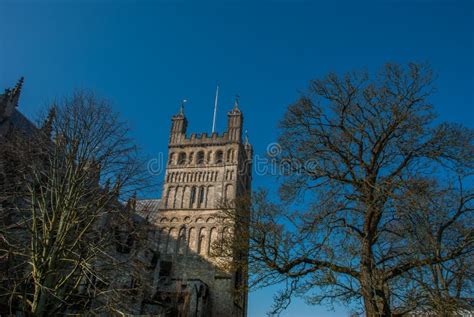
[(215, 110)]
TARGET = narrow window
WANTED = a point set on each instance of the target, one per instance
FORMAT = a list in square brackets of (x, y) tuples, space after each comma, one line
[(172, 158), (182, 241), (219, 156), (230, 156), (200, 158), (201, 196), (201, 241), (193, 197), (182, 158), (167, 199)]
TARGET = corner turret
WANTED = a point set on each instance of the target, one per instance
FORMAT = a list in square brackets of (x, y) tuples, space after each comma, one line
[(235, 121), (178, 126)]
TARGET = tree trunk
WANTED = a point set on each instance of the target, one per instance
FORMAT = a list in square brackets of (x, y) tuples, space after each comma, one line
[(39, 302), (374, 291), (375, 299), (39, 305)]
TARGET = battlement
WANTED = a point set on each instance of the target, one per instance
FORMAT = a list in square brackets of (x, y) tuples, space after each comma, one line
[(203, 139), (179, 138)]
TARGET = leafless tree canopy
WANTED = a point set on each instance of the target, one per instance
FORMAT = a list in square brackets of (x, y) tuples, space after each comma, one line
[(377, 199), (65, 217)]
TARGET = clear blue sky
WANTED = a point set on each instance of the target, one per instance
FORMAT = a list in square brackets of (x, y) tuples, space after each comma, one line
[(146, 56)]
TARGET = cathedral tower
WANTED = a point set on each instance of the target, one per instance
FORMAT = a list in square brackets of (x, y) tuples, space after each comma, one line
[(201, 172)]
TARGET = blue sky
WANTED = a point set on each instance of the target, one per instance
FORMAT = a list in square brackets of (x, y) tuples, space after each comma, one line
[(145, 56)]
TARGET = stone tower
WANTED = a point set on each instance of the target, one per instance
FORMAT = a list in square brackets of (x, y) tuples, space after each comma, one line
[(202, 171)]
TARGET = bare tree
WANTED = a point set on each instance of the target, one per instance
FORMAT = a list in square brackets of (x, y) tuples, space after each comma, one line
[(438, 220), (368, 194), (68, 219)]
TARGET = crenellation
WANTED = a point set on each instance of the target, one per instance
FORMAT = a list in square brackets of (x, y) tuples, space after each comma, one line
[(179, 139)]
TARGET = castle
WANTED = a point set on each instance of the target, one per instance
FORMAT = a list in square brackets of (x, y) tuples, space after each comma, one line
[(202, 172)]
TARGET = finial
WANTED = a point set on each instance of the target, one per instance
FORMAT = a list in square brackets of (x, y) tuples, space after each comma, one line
[(47, 127), (132, 202), (246, 137), (236, 102), (13, 96), (181, 109), (18, 86)]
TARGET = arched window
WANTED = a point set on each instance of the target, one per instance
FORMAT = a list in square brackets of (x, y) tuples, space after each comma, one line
[(200, 158), (192, 241), (170, 197), (193, 197), (202, 241), (172, 241), (201, 196), (210, 197), (172, 159), (178, 195), (212, 242), (219, 157), (229, 192), (230, 156), (182, 241), (185, 196), (182, 158)]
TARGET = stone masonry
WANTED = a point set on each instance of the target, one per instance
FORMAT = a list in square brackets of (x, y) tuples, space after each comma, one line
[(201, 173)]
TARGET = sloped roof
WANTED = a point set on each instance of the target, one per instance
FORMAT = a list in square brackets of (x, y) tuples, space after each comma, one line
[(148, 208), (20, 122)]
